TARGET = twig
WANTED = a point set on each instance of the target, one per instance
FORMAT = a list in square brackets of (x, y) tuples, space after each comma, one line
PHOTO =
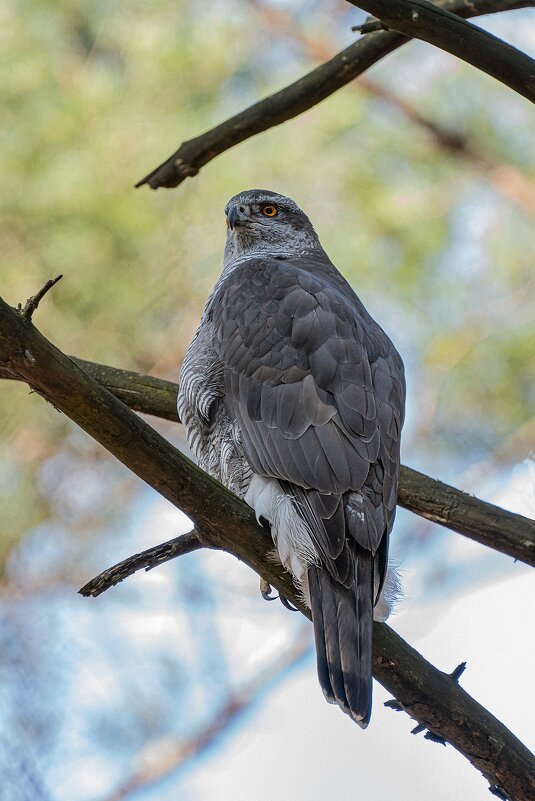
[(369, 25), (33, 302), (458, 671), (507, 532), (423, 20), (147, 560), (298, 97), (430, 697)]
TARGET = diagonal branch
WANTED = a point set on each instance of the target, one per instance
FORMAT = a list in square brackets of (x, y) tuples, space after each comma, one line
[(146, 560), (422, 20), (509, 533), (298, 97), (434, 699), (507, 179)]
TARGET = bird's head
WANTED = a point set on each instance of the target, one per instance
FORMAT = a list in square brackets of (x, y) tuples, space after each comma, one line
[(260, 221)]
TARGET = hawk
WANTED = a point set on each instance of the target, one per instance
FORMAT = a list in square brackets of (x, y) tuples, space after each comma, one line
[(293, 397)]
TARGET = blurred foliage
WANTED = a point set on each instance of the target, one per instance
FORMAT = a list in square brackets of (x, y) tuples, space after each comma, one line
[(95, 94)]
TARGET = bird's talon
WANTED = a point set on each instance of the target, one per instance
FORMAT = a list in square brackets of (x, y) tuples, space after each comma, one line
[(285, 602), (266, 589)]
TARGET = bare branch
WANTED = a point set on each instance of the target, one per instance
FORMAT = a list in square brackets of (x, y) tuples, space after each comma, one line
[(434, 699), (146, 560), (33, 302), (481, 7), (483, 522), (141, 393), (490, 525), (509, 533), (298, 97), (422, 20), (370, 25)]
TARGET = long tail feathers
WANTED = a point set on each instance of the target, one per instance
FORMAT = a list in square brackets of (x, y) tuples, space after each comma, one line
[(343, 624)]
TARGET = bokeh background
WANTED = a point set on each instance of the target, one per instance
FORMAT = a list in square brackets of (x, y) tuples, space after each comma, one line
[(183, 683)]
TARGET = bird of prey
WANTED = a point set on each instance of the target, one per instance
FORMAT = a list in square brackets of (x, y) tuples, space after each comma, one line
[(293, 397)]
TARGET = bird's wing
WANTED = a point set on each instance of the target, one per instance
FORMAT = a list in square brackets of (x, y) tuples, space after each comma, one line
[(318, 391)]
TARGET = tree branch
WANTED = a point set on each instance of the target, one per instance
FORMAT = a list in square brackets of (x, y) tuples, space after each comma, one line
[(298, 97), (141, 393), (483, 522), (33, 302), (509, 533), (425, 496), (507, 179), (146, 560), (422, 20), (431, 697), (482, 7)]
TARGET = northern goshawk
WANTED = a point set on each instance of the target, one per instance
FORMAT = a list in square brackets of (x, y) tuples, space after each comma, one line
[(293, 397)]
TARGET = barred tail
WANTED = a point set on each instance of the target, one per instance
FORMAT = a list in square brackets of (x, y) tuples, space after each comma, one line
[(343, 624)]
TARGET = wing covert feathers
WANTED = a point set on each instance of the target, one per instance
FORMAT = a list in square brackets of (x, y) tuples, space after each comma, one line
[(318, 390)]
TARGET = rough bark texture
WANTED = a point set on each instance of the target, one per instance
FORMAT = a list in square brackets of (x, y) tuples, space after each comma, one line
[(438, 26), (432, 698), (298, 97), (145, 560)]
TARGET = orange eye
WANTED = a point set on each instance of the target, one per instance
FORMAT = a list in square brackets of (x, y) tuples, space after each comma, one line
[(270, 210)]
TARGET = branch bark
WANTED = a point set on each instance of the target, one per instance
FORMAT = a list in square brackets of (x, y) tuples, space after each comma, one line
[(431, 697), (146, 560), (298, 97), (509, 533), (420, 19)]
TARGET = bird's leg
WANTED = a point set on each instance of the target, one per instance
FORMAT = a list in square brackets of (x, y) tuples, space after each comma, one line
[(265, 586), (266, 589)]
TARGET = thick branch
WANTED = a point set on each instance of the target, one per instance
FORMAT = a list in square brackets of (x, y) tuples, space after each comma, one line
[(422, 20), (141, 393), (372, 24), (510, 533), (480, 521), (431, 697), (298, 97)]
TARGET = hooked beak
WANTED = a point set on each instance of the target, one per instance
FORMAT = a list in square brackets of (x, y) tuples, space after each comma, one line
[(237, 217)]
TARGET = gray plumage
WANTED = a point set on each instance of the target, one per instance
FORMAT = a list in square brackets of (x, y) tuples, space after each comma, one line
[(293, 397)]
